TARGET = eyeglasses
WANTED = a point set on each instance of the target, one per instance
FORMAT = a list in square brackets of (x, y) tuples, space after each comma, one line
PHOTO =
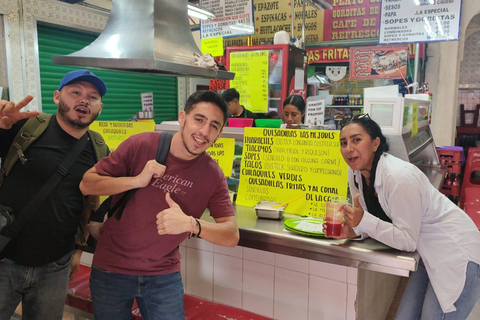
[(349, 120)]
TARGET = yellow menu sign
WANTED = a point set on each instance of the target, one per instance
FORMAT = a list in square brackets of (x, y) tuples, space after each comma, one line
[(223, 152), (281, 164), (115, 132), (251, 78)]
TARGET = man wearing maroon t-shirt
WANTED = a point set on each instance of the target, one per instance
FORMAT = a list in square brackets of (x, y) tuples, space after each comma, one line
[(137, 256)]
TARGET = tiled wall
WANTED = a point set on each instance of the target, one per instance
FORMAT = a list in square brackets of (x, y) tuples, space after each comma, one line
[(273, 285), (469, 98)]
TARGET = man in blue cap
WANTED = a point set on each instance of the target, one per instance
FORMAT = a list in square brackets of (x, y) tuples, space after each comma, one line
[(36, 264)]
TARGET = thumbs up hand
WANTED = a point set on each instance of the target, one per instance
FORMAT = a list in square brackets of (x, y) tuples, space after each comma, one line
[(172, 220), (353, 215)]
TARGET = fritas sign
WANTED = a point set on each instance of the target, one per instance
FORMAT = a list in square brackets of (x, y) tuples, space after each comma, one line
[(342, 54)]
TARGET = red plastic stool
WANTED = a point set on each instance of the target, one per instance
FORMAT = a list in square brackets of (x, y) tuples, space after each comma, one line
[(472, 204), (473, 164)]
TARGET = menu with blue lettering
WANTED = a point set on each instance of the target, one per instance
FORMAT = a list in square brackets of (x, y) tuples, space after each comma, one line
[(419, 21)]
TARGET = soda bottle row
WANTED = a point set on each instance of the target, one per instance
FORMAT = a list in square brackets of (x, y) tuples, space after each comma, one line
[(347, 100)]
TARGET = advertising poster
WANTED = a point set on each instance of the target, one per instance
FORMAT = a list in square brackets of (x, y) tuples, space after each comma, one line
[(419, 21), (115, 132), (222, 151), (346, 21), (378, 62), (232, 18), (251, 78), (281, 164)]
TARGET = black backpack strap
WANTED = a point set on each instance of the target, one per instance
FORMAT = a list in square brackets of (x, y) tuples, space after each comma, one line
[(164, 146), (99, 145), (29, 132), (117, 210)]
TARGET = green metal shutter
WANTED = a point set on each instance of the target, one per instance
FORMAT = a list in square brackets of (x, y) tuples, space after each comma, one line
[(123, 99)]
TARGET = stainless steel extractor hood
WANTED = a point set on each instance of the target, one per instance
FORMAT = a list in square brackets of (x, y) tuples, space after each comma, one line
[(146, 36)]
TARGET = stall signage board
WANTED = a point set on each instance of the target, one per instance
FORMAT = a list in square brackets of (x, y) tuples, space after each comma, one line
[(342, 54), (213, 46), (378, 62), (315, 111), (115, 132), (223, 151), (281, 164), (233, 18), (251, 78), (348, 20), (419, 21)]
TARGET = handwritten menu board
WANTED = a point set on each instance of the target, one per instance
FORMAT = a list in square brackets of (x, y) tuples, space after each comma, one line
[(281, 164), (349, 19), (378, 62), (419, 21), (251, 78), (232, 18), (115, 132), (223, 151)]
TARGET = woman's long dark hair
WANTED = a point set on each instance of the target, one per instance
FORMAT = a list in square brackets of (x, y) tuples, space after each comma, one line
[(374, 131)]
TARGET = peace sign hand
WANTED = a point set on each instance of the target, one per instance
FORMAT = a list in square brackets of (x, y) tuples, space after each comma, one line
[(10, 112)]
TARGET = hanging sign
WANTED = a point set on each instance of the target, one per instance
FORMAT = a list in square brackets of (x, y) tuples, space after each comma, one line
[(115, 132), (223, 151), (281, 164), (378, 62), (251, 78), (419, 21), (214, 46), (232, 18)]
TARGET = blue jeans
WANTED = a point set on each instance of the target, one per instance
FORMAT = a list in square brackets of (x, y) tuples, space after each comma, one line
[(158, 297), (42, 290), (420, 302)]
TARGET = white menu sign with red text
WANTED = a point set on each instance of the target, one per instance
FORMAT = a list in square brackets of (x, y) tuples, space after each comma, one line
[(233, 18), (419, 21)]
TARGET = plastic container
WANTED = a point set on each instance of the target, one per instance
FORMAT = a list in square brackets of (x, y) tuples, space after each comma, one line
[(268, 123), (264, 210), (240, 122)]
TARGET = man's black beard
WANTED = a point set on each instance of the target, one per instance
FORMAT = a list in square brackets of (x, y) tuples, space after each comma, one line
[(63, 110)]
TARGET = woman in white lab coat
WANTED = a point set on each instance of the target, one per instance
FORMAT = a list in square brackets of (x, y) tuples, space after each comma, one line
[(395, 203)]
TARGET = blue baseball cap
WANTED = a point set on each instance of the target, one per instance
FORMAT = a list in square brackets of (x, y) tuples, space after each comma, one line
[(83, 75)]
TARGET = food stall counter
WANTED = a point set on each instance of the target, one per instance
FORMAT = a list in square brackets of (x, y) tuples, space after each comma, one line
[(369, 254)]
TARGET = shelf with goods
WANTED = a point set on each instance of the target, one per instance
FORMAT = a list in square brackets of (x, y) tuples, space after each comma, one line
[(452, 160)]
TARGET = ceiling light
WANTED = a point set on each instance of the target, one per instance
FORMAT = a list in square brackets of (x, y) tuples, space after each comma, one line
[(200, 13)]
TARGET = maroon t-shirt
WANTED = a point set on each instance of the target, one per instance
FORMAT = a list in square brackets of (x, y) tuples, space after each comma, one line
[(132, 245)]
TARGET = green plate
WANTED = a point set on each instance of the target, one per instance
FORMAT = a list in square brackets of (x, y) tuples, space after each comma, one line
[(310, 227)]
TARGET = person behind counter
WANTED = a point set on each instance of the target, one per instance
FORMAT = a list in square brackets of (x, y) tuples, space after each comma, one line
[(293, 110), (236, 110), (36, 264), (395, 203), (137, 256)]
